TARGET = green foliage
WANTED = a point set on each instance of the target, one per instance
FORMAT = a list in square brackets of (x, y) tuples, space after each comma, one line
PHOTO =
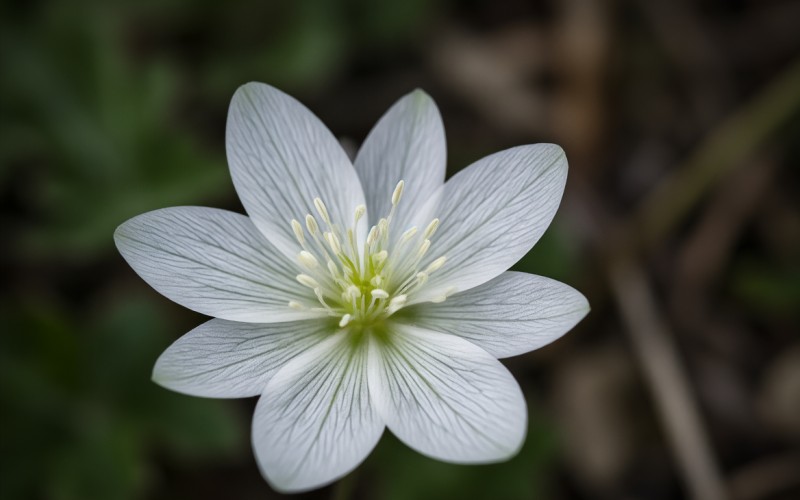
[(81, 418)]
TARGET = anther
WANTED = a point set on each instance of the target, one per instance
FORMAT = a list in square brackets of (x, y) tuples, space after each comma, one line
[(423, 249), (378, 293), (360, 211), (298, 231), (353, 291), (398, 301), (308, 260), (432, 227), (311, 224), (380, 257), (296, 305), (322, 210), (333, 242), (307, 280), (436, 264), (398, 193), (408, 234), (372, 235), (345, 320)]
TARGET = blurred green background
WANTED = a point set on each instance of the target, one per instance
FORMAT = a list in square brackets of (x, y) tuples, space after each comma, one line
[(681, 123)]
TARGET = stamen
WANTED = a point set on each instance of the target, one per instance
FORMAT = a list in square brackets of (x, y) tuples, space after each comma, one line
[(432, 227), (322, 210), (360, 211), (311, 224), (380, 257), (423, 249), (307, 280), (398, 193), (298, 232), (436, 264), (373, 235), (408, 234), (364, 279), (333, 242), (308, 260)]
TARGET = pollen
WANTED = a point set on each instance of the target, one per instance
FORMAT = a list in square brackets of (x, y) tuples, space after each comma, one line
[(362, 277)]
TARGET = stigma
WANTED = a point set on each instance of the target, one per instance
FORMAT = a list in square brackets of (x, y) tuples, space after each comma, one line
[(362, 278)]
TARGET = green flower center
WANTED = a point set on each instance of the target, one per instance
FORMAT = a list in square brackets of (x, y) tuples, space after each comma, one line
[(362, 280)]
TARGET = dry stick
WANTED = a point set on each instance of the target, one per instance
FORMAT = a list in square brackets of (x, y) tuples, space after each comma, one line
[(663, 371), (739, 136)]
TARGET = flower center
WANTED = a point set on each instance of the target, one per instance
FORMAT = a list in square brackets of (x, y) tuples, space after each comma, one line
[(362, 279)]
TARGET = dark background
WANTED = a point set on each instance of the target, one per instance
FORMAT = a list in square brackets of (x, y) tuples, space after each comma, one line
[(681, 224)]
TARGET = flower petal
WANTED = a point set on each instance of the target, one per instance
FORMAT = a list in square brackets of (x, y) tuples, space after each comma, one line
[(212, 261), (510, 315), (406, 144), (315, 422), (227, 359), (492, 213), (445, 397), (281, 157)]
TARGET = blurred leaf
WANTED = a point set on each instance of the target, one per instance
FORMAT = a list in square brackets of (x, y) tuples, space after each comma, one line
[(768, 289), (552, 256), (97, 131), (81, 417)]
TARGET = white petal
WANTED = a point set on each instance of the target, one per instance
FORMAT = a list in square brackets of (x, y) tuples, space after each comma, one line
[(227, 359), (445, 397), (510, 315), (281, 157), (406, 144), (492, 213), (212, 261), (315, 422)]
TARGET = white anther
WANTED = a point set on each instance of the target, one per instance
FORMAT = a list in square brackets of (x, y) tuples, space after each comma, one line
[(436, 264), (398, 301), (383, 226), (307, 280), (408, 234), (377, 293), (353, 292), (345, 319), (441, 298), (298, 231), (360, 211), (432, 227), (423, 249), (398, 192), (333, 242), (308, 260), (332, 268), (318, 293), (380, 257), (376, 281), (296, 305), (322, 210), (311, 224), (422, 277), (372, 235)]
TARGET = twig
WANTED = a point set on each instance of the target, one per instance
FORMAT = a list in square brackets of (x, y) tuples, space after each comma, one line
[(663, 371)]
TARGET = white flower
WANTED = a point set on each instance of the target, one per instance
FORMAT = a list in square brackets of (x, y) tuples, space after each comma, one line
[(358, 296)]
